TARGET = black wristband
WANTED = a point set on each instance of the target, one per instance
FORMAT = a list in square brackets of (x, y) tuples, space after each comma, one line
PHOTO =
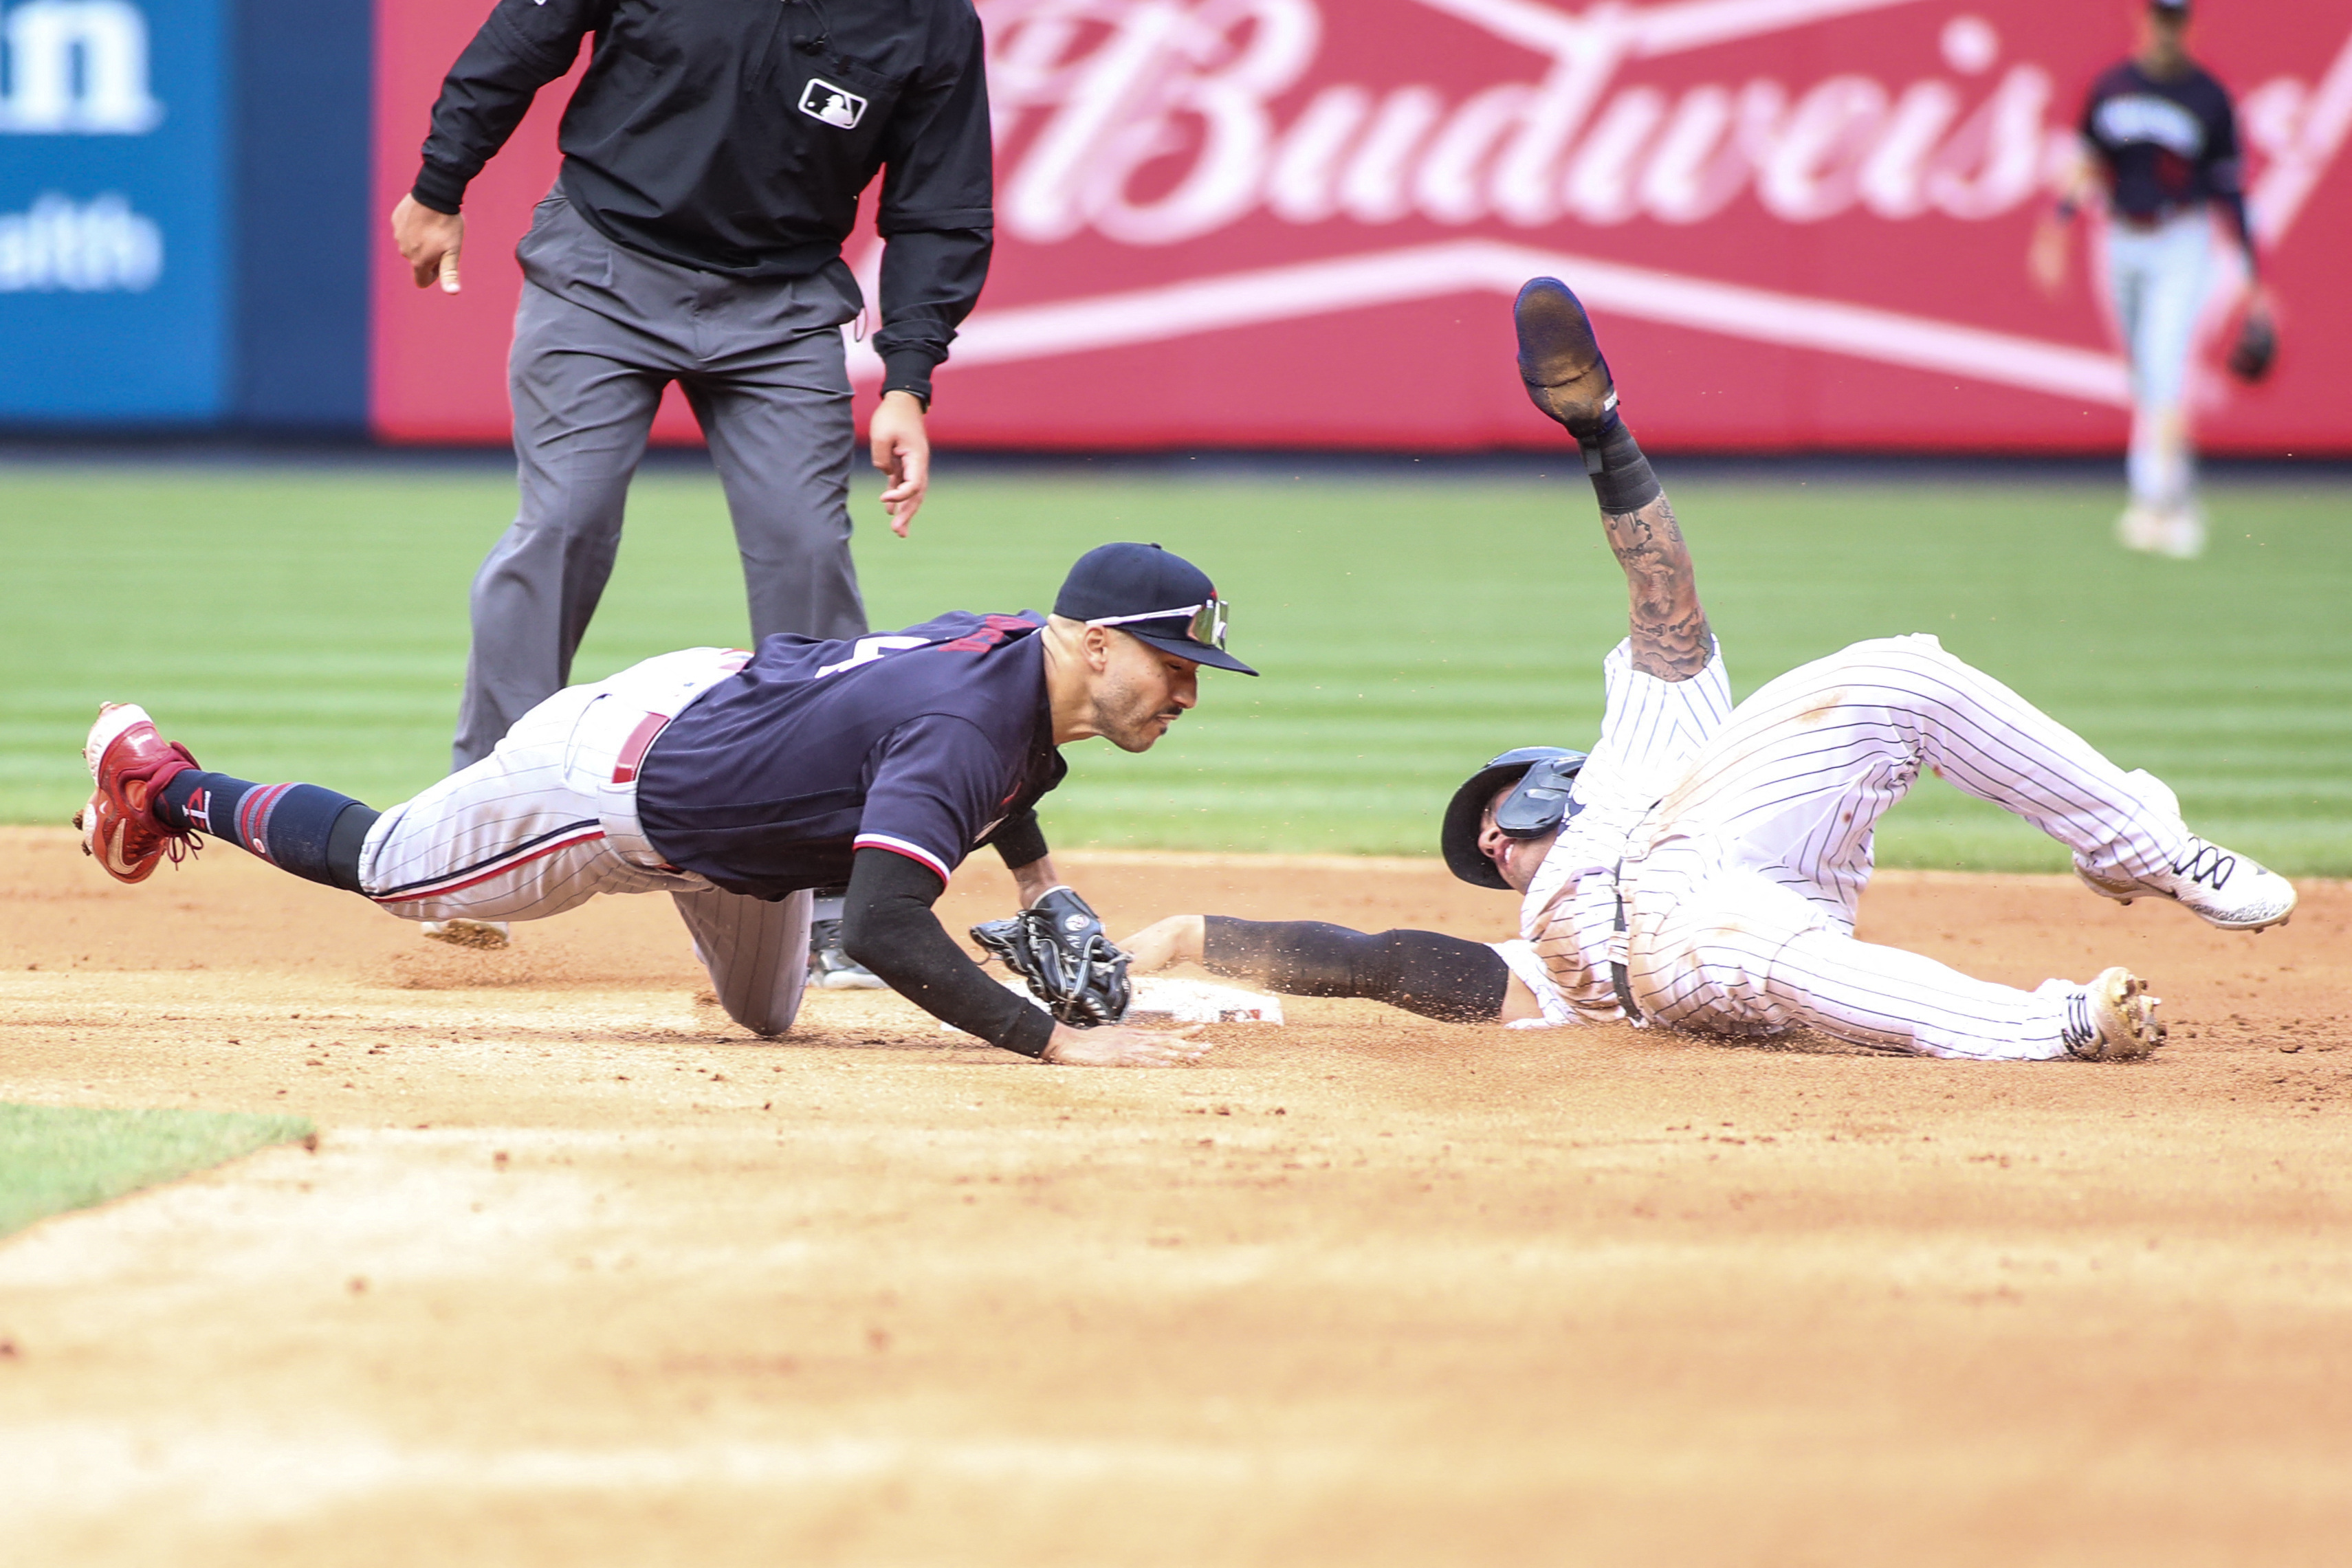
[(1020, 840), (1621, 480)]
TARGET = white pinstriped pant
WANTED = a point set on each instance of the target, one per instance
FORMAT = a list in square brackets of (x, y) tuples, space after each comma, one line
[(540, 826), (1741, 911)]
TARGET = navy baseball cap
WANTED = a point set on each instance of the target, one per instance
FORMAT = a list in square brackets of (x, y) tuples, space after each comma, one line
[(1154, 594)]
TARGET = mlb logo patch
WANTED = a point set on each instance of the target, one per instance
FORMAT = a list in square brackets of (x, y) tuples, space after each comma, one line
[(836, 106)]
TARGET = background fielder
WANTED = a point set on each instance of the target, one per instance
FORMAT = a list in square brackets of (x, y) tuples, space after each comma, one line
[(2159, 149), (1702, 867), (738, 782)]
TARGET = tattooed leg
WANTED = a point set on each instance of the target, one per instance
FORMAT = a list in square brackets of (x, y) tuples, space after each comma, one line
[(1670, 634), (1566, 376)]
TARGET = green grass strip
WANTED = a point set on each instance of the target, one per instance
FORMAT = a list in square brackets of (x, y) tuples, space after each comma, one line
[(310, 623), (54, 1158)]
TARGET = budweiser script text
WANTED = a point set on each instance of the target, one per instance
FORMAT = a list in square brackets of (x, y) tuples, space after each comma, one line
[(1156, 121)]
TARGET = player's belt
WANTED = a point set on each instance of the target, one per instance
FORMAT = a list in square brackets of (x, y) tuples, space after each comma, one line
[(640, 741), (2147, 223), (631, 758), (1617, 975)]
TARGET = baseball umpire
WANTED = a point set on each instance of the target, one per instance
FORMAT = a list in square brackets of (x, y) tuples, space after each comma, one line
[(2159, 147), (738, 782), (713, 158), (1701, 867)]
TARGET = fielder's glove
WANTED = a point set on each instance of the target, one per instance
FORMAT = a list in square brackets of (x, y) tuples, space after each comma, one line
[(2257, 346), (1058, 946)]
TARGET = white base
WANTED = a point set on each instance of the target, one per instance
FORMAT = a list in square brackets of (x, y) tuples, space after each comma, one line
[(1160, 1002), (1160, 998)]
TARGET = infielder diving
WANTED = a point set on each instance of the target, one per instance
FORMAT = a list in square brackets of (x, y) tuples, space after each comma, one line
[(1700, 868), (738, 782)]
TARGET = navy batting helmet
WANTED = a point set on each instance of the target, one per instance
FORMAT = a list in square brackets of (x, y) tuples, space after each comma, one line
[(1539, 805)]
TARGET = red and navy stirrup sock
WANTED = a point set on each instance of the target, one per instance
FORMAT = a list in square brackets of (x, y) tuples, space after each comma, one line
[(301, 828)]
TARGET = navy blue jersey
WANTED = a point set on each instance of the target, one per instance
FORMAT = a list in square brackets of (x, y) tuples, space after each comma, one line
[(2166, 144), (919, 742)]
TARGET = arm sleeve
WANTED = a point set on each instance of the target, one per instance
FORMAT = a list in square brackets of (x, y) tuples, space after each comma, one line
[(886, 925), (522, 46), (1423, 972), (936, 217), (1020, 840)]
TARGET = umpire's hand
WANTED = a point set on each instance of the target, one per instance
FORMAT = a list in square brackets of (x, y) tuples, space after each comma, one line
[(1115, 1045), (429, 242), (902, 449)]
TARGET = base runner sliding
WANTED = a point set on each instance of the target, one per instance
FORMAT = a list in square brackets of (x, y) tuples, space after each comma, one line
[(1699, 869)]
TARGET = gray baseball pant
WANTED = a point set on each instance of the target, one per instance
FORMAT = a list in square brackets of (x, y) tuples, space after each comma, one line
[(543, 825), (601, 330)]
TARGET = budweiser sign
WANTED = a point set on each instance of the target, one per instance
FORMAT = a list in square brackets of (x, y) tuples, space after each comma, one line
[(1268, 222)]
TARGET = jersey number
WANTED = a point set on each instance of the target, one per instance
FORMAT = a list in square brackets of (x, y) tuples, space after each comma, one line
[(868, 650)]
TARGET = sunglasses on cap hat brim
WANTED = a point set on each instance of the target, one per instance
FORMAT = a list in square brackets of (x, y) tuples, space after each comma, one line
[(1203, 626), (1206, 624)]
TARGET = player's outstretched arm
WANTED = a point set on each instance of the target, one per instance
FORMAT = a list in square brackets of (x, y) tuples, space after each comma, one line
[(1165, 943), (1670, 634), (1425, 972), (888, 925)]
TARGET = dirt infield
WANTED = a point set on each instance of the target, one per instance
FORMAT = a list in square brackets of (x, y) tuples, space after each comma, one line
[(578, 1273)]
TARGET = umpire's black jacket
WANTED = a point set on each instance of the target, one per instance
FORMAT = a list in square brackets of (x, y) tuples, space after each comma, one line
[(735, 135)]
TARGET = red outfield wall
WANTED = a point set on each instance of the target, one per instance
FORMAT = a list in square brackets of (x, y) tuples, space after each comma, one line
[(1268, 223)]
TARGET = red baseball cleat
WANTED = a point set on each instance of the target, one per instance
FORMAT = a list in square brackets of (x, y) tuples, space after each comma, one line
[(130, 763)]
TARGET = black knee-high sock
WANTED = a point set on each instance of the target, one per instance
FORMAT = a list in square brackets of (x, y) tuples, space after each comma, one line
[(1621, 480), (312, 833), (1423, 972)]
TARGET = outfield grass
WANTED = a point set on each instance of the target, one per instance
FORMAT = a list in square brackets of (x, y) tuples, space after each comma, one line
[(311, 624), (58, 1157)]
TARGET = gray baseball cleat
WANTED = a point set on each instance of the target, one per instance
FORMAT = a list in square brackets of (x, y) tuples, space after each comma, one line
[(831, 969), (2224, 888), (2112, 1019)]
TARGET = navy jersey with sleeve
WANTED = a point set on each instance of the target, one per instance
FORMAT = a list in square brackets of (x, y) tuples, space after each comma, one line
[(2166, 145), (919, 742)]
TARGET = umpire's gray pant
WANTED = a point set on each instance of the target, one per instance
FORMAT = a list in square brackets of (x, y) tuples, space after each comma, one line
[(600, 331)]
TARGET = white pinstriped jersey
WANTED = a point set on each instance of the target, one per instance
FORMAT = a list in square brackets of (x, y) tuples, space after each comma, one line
[(1650, 731), (1745, 836)]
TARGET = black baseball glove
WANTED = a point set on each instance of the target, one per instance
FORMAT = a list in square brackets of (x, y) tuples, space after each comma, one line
[(2257, 346), (1058, 946)]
